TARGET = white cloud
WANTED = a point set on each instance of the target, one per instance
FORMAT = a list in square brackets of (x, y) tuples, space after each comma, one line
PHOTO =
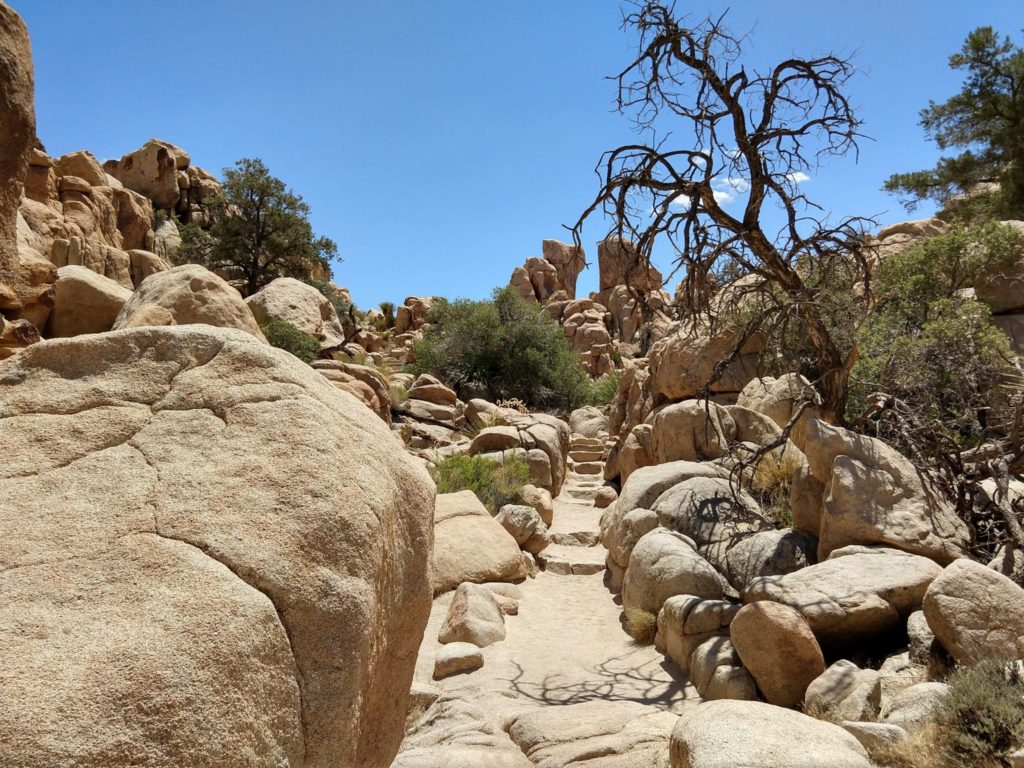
[(737, 184), (798, 177), (683, 201), (723, 197)]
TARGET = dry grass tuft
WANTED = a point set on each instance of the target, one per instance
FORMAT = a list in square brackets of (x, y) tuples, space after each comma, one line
[(641, 625)]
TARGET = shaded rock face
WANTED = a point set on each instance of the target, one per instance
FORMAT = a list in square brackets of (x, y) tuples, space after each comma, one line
[(17, 127), (241, 548)]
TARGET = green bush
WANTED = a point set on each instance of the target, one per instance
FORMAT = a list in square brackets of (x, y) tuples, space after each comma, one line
[(495, 483), (513, 349), (982, 717), (289, 338), (928, 343), (602, 391)]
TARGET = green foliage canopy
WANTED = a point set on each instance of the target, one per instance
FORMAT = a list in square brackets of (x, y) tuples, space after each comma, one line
[(289, 338), (514, 349), (985, 119), (260, 231)]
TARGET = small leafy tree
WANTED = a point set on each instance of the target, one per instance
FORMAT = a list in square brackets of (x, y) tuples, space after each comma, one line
[(985, 119), (514, 349), (928, 343), (387, 309), (260, 231)]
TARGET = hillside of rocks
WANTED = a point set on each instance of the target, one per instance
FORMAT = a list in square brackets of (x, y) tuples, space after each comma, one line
[(213, 553)]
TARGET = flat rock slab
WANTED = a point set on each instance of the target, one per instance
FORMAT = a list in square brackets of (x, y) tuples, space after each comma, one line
[(573, 561)]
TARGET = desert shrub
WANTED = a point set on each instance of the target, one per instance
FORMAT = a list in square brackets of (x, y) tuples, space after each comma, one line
[(289, 338), (399, 394), (982, 718), (927, 342), (602, 391), (513, 349), (641, 625), (495, 483)]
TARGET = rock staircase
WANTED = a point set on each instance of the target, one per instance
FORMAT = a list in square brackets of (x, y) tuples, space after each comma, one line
[(576, 549)]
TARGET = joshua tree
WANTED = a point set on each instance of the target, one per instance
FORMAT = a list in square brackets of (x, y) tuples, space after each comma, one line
[(388, 310), (731, 203)]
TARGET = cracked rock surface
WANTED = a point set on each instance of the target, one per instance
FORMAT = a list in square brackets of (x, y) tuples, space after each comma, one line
[(208, 556)]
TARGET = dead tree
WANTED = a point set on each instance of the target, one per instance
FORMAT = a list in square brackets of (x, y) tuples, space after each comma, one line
[(732, 203)]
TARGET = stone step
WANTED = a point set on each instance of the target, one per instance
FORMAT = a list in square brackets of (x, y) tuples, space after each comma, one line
[(588, 443), (586, 455), (572, 561), (588, 467), (576, 539)]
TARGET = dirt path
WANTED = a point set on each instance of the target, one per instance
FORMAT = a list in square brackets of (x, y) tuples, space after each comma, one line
[(565, 647)]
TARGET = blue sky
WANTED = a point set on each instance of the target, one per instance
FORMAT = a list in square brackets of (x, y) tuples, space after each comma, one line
[(439, 142)]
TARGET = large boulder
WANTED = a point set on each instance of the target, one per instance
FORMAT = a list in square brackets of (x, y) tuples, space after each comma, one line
[(152, 170), (191, 294), (875, 495), (768, 553), (588, 421), (852, 598), (568, 261), (693, 430), (470, 545), (844, 691), (86, 302), (301, 305), (682, 363), (976, 613), (776, 645), (779, 399), (745, 734), (663, 563), (240, 548)]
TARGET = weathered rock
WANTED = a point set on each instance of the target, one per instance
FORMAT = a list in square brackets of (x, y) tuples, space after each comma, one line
[(778, 399), (18, 128), (853, 598), (806, 497), (86, 302), (455, 658), (693, 430), (682, 364), (142, 264), (686, 621), (525, 525), (1009, 561), (82, 164), (101, 259), (191, 294), (588, 421), (568, 261), (914, 707), (641, 491), (712, 513), (540, 499), (469, 545), (473, 617), (594, 734), (605, 497), (844, 691), (716, 672), (431, 389), (768, 553), (204, 499), (874, 495), (875, 737), (976, 613), (663, 563), (742, 734), (151, 170), (777, 646), (300, 305)]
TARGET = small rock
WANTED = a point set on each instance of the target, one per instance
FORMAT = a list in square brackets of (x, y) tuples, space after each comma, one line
[(605, 496), (844, 691), (473, 617), (873, 736), (914, 707), (455, 658)]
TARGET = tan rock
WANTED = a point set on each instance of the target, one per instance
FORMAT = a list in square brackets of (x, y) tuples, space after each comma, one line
[(976, 613), (568, 261), (540, 499), (86, 302), (431, 389), (300, 305), (777, 646), (101, 259), (779, 399), (469, 545), (525, 526), (682, 363), (874, 495), (473, 617), (662, 564), (83, 165), (203, 498), (844, 691), (454, 659), (853, 598), (143, 264), (729, 734), (693, 430), (192, 295), (151, 170)]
